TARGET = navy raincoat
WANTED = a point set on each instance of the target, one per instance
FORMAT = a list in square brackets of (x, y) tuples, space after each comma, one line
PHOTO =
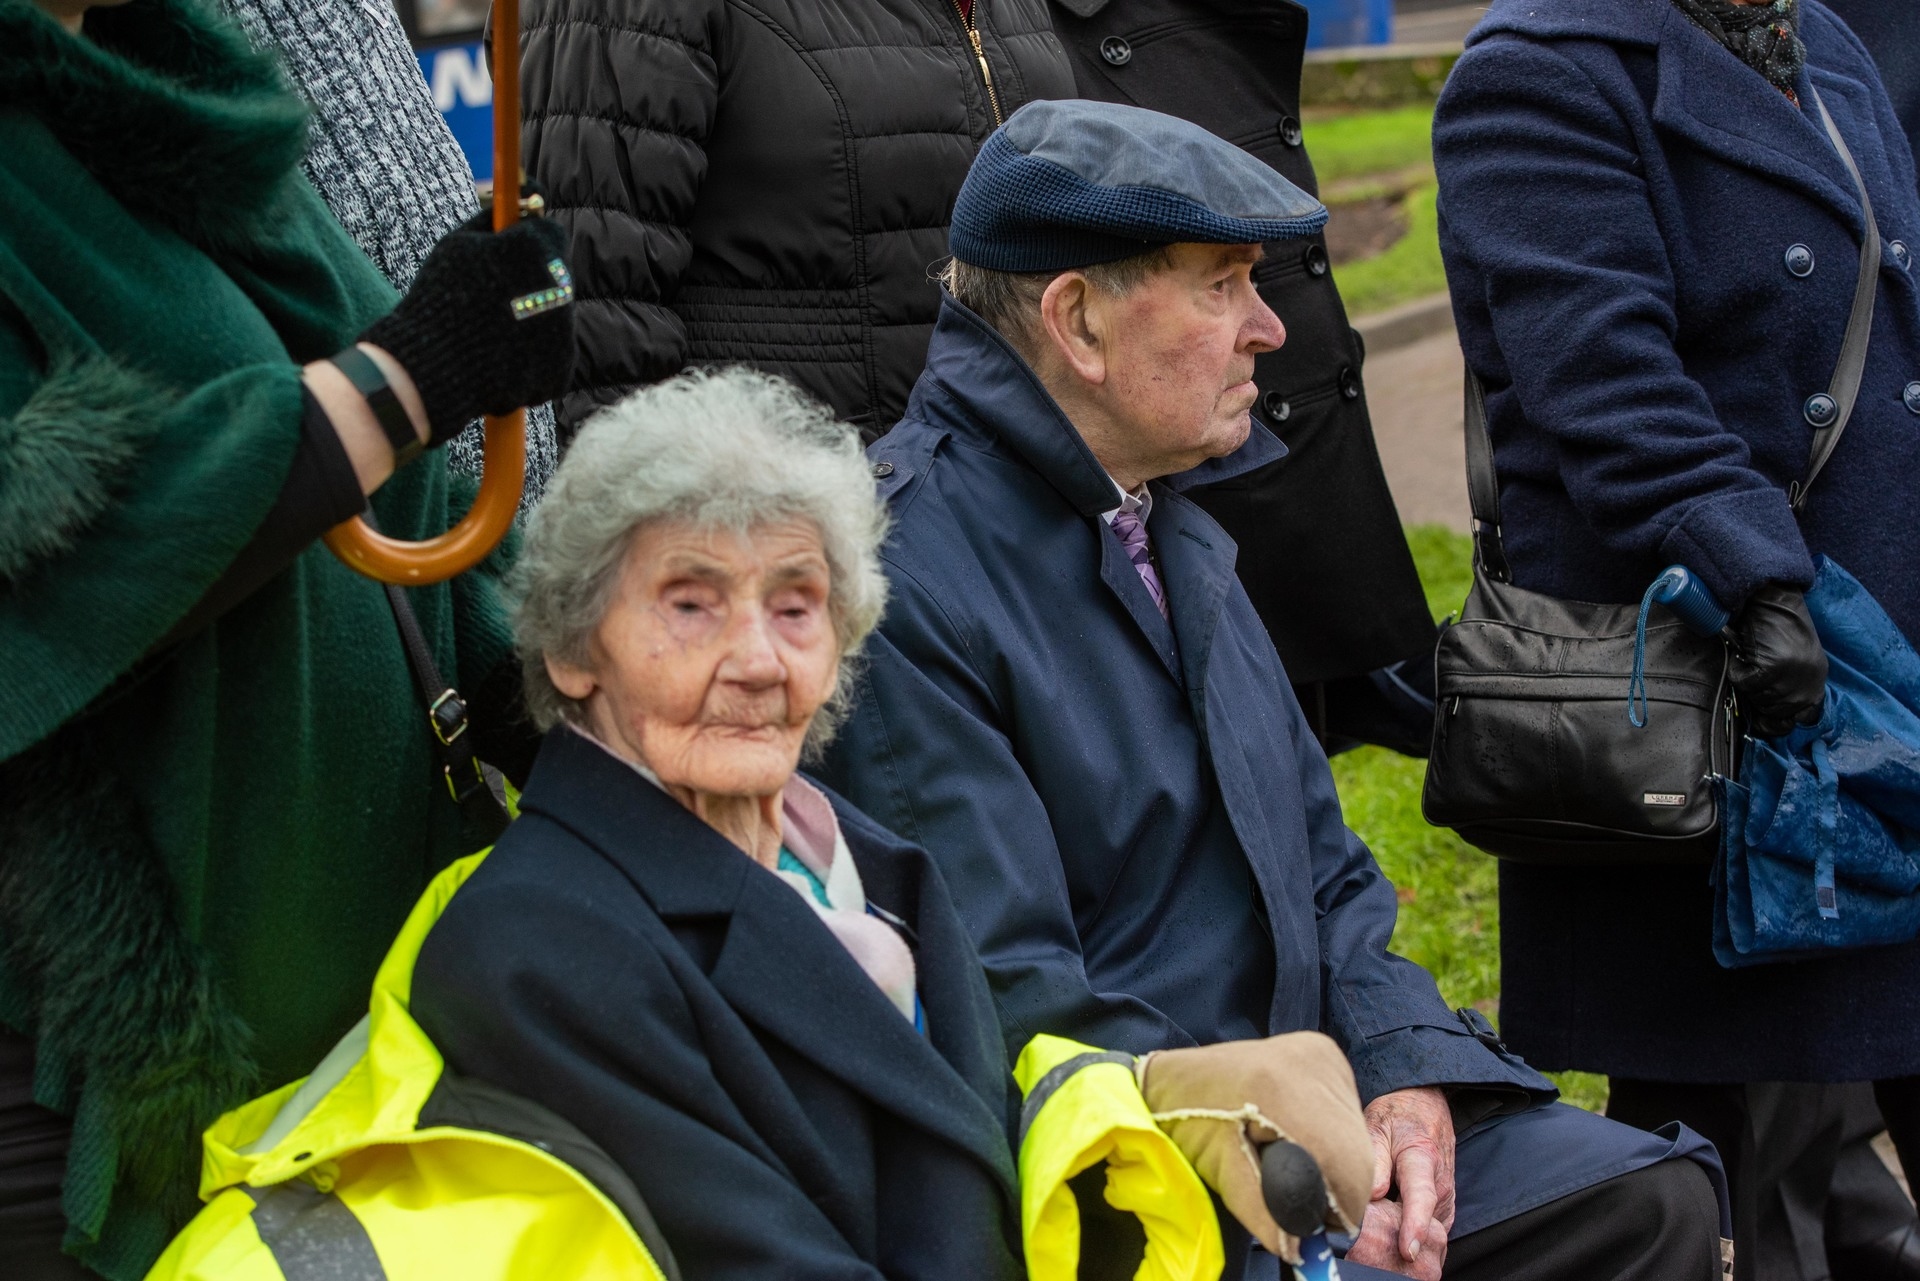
[(1652, 254), (1136, 823)]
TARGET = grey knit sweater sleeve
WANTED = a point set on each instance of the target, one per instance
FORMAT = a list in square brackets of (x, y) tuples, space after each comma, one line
[(381, 157)]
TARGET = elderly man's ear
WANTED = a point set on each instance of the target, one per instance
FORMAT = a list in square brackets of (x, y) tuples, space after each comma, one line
[(1074, 317)]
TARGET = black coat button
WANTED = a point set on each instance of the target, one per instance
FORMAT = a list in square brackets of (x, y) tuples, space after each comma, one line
[(1912, 396), (1316, 259), (882, 470), (1800, 260), (1349, 382), (1277, 410), (1901, 254), (1289, 130), (1116, 51), (1821, 409)]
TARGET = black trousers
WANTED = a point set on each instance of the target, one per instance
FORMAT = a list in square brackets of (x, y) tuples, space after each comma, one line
[(1655, 1224), (1899, 1100), (1801, 1168), (33, 1160)]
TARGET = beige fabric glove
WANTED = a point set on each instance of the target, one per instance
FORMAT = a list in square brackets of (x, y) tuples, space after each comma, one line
[(1218, 1101)]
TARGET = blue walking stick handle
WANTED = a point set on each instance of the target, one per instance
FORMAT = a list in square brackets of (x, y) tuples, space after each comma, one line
[(1296, 1196), (1689, 600)]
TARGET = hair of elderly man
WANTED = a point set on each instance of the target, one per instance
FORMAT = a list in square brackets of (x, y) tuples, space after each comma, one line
[(726, 449), (1010, 300)]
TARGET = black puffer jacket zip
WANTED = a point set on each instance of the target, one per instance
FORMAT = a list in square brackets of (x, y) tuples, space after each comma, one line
[(767, 182)]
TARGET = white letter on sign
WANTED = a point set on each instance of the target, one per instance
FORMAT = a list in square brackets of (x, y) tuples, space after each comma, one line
[(458, 75)]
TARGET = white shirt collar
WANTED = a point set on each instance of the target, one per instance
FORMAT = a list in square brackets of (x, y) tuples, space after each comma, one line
[(1141, 500)]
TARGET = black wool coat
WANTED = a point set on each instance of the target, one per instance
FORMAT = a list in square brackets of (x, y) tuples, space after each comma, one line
[(766, 183), (1322, 555), (618, 961)]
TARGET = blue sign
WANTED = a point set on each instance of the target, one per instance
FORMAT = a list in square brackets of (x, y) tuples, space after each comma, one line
[(463, 92), (1336, 24)]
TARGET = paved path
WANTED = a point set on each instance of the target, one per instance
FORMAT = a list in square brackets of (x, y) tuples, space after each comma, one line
[(1413, 393), (1427, 25)]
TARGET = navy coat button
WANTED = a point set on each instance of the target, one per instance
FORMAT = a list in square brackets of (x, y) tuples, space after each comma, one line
[(882, 470), (1800, 260), (1901, 254), (1821, 409), (1349, 382), (1116, 51), (1289, 130), (1278, 410), (1912, 396), (1316, 259)]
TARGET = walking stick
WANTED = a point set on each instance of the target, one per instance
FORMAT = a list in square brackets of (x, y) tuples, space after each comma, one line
[(393, 560)]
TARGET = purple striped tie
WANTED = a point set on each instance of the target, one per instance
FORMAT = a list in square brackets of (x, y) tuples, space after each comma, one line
[(1133, 536)]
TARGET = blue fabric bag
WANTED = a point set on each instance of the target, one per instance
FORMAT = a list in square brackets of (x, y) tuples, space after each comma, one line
[(1820, 837)]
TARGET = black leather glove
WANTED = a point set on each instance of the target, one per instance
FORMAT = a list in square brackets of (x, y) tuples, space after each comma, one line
[(461, 338), (1778, 668)]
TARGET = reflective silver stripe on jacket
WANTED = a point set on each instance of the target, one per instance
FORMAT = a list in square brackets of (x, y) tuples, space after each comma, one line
[(1044, 1088), (313, 1235)]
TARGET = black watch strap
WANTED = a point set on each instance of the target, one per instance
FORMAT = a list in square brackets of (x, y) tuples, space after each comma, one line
[(392, 416)]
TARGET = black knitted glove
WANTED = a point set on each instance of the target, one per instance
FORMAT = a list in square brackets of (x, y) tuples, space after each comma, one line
[(461, 338), (1778, 665)]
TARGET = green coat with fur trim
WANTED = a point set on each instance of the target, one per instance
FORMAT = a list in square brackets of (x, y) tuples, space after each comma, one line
[(206, 844)]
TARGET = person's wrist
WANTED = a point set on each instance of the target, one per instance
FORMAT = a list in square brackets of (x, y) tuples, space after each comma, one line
[(404, 390)]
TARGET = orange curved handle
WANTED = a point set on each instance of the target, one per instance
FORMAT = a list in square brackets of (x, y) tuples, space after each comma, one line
[(504, 474)]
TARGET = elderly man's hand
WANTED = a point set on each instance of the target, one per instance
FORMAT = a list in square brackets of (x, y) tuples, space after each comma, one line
[(1412, 1133)]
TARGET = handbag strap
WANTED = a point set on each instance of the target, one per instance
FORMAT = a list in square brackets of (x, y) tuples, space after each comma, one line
[(481, 811), (1845, 387), (1483, 488), (447, 720)]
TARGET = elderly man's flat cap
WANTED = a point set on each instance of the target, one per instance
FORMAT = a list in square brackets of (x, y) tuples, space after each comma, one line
[(1067, 184)]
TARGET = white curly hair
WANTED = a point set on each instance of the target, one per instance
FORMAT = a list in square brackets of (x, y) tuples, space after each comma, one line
[(714, 449)]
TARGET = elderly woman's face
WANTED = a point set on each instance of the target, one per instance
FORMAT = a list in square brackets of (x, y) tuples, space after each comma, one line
[(713, 657)]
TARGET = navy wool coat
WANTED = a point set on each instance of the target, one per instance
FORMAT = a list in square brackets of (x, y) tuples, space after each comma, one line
[(1140, 832), (618, 961), (1652, 254)]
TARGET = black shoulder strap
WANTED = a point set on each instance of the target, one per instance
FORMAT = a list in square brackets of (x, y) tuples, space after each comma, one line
[(1845, 387), (483, 815), (467, 783), (1483, 489)]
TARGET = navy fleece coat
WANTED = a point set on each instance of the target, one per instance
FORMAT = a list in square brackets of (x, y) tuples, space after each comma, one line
[(1619, 197)]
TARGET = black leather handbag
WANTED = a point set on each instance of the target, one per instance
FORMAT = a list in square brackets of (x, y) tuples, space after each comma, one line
[(1535, 758)]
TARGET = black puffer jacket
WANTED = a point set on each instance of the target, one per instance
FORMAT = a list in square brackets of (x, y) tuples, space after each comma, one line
[(767, 181), (1322, 554)]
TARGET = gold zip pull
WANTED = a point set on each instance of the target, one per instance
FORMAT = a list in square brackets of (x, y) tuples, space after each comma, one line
[(980, 56)]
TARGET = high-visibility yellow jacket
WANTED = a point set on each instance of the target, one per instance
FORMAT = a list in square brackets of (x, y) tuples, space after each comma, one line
[(1082, 1107), (384, 1166)]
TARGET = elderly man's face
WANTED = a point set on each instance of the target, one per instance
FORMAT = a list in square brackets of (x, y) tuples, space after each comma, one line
[(1163, 375), (714, 656)]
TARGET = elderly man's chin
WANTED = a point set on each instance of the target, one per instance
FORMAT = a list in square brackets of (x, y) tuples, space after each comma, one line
[(1235, 421)]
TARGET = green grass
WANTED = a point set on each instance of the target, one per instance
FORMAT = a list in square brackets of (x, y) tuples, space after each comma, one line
[(1348, 149), (1449, 892), (1409, 269), (1370, 142)]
